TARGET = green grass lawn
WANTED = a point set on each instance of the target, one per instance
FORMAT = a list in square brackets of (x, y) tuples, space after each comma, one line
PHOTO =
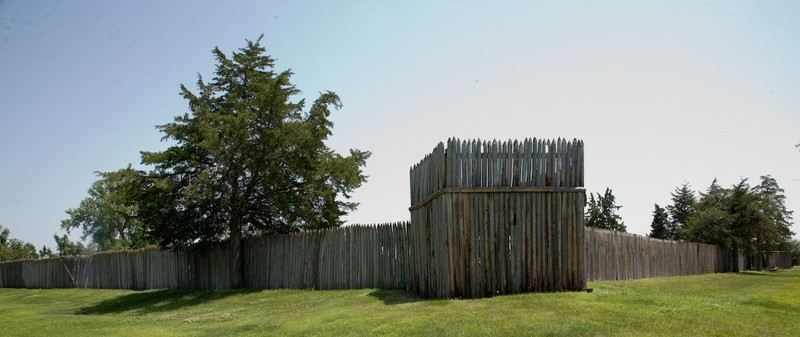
[(746, 304)]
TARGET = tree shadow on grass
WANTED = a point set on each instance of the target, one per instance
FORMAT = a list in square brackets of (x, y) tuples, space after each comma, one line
[(771, 304), (782, 273), (392, 297), (157, 301)]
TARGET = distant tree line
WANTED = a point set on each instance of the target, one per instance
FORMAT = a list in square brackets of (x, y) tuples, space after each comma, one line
[(16, 249), (748, 219)]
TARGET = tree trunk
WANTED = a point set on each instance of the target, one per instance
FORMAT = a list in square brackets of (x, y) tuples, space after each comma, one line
[(235, 272)]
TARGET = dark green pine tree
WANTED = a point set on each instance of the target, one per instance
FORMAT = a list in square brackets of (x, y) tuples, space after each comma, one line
[(778, 216), (602, 212), (658, 228), (747, 219), (683, 205), (711, 221), (247, 160)]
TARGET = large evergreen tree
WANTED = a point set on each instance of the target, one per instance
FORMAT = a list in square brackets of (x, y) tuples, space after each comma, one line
[(658, 227), (778, 216), (683, 204), (247, 160), (751, 220), (602, 212), (747, 217), (711, 221)]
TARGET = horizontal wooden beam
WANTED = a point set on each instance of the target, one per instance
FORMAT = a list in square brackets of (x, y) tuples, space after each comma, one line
[(495, 190)]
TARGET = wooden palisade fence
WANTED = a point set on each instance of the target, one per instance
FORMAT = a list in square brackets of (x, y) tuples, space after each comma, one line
[(358, 256), (781, 260), (487, 218), (373, 256), (612, 255), (352, 257), (497, 218)]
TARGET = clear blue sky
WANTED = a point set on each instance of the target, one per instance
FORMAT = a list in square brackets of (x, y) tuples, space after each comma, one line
[(662, 93)]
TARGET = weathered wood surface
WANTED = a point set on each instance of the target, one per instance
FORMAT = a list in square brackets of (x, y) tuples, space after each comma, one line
[(492, 164), (612, 255), (471, 245), (358, 256), (494, 217), (766, 260), (782, 260), (351, 257), (138, 269), (382, 256)]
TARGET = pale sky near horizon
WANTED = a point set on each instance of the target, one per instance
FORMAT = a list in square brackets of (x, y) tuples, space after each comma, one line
[(662, 93)]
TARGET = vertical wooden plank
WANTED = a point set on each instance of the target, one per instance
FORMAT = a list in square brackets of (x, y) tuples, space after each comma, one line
[(530, 241), (539, 168), (556, 156), (466, 239), (582, 232), (486, 238), (449, 244), (539, 240), (502, 251), (560, 237), (477, 260), (518, 222), (568, 242)]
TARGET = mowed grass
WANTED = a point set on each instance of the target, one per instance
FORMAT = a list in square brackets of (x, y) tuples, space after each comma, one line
[(745, 304)]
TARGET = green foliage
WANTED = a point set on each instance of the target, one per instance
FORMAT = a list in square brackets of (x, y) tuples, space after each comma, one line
[(109, 215), (777, 218), (712, 221), (4, 237), (658, 228), (683, 205), (20, 250), (15, 249), (602, 212), (703, 305), (65, 247), (746, 216), (750, 219), (247, 160), (46, 252)]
